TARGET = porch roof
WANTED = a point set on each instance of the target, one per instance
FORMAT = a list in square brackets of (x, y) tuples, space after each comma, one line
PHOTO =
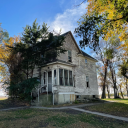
[(59, 62)]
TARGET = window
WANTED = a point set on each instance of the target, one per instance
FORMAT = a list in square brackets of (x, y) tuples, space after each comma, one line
[(87, 81), (44, 77), (86, 61), (55, 77), (69, 56), (70, 78), (66, 76), (61, 76)]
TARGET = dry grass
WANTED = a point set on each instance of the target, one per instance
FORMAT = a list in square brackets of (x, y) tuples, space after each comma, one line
[(36, 118), (119, 107)]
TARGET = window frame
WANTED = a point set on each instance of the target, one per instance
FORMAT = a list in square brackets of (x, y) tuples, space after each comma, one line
[(69, 56), (87, 82), (68, 78), (86, 61), (55, 76), (61, 76), (44, 78)]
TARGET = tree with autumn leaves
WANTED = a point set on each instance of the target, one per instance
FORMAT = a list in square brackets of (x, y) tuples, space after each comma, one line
[(104, 19), (6, 57)]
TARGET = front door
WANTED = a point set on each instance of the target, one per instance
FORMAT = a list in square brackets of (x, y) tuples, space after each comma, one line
[(50, 81)]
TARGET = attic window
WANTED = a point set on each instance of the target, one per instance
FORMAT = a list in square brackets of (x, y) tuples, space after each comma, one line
[(69, 56), (85, 61)]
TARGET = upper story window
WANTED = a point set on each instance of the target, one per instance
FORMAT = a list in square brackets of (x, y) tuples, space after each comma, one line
[(69, 56), (85, 61), (87, 81)]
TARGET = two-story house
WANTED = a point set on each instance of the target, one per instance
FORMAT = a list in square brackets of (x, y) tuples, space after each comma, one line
[(73, 75)]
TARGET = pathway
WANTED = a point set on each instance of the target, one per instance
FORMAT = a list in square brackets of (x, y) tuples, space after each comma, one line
[(76, 107)]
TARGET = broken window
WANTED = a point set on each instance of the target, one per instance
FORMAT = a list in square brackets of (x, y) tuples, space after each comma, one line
[(69, 56), (87, 81)]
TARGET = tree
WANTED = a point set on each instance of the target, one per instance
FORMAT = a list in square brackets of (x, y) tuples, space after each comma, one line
[(112, 55), (103, 84), (7, 60), (103, 19), (38, 46), (124, 68)]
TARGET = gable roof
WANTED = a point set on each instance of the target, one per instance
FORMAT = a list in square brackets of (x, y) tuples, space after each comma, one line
[(69, 32), (86, 55), (80, 51)]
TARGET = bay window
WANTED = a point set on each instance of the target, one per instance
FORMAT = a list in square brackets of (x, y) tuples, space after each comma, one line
[(61, 76), (65, 77), (70, 78)]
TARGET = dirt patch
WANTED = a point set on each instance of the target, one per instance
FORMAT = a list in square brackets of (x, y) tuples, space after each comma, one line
[(9, 103)]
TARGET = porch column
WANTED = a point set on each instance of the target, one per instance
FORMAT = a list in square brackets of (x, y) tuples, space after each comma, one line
[(57, 76)]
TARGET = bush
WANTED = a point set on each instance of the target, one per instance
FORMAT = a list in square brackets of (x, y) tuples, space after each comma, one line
[(23, 89), (76, 102)]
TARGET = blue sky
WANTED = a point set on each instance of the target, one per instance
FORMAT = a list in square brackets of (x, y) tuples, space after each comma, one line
[(58, 14)]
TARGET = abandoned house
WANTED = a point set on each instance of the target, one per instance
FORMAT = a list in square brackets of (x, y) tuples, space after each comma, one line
[(72, 76)]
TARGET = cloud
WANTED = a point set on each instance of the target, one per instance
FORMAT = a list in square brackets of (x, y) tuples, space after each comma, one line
[(67, 21)]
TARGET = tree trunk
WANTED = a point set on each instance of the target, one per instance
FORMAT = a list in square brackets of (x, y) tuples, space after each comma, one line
[(121, 92), (115, 93), (108, 92), (114, 81), (105, 75)]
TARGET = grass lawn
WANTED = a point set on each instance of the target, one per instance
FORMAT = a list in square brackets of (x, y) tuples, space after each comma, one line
[(119, 107), (38, 118)]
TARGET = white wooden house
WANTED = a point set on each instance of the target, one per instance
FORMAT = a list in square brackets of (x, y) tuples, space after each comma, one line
[(73, 75)]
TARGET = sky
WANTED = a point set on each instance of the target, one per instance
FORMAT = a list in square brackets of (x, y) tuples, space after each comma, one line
[(58, 14)]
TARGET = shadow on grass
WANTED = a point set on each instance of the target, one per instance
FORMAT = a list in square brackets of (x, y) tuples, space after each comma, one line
[(10, 103)]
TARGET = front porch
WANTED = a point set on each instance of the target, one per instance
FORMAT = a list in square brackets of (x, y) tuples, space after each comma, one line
[(56, 82)]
